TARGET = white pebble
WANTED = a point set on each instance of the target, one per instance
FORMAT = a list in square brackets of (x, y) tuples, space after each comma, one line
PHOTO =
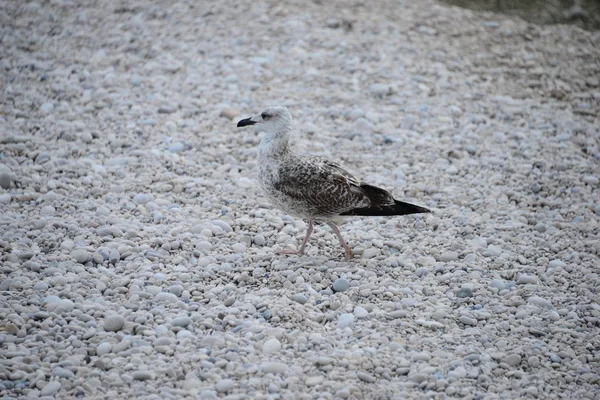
[(345, 320), (271, 346)]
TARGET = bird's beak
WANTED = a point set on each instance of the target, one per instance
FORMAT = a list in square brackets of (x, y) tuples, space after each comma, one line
[(246, 122)]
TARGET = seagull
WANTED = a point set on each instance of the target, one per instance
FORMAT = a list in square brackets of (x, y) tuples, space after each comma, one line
[(311, 187)]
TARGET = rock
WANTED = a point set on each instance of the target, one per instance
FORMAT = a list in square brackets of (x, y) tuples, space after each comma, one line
[(299, 298), (47, 211), (313, 381), (166, 297), (381, 89), (274, 368), (141, 198), (5, 198), (468, 320), (224, 386), (142, 375), (62, 373), (181, 321), (271, 346), (341, 285), (448, 256), (229, 113), (365, 377), (512, 359), (50, 389), (103, 348), (464, 293), (540, 302), (5, 178), (498, 284), (81, 256), (360, 312), (114, 323), (371, 252), (345, 320), (114, 256), (525, 279)]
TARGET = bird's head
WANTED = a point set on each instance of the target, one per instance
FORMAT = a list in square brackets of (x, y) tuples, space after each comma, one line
[(272, 120)]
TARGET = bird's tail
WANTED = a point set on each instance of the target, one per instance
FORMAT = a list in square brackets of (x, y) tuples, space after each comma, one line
[(381, 205)]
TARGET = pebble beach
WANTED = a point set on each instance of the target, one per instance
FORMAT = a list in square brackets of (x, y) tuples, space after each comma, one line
[(139, 259)]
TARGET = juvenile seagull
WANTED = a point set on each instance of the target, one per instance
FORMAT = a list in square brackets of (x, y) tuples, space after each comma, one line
[(311, 187)]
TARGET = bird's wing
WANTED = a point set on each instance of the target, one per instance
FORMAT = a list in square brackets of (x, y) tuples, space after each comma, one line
[(322, 185)]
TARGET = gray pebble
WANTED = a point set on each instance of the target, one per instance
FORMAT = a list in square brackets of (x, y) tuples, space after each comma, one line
[(512, 359), (5, 179), (81, 255), (464, 293), (114, 256), (299, 298), (51, 388), (224, 385), (527, 279), (341, 285), (448, 256), (181, 321), (142, 375), (114, 323), (365, 377)]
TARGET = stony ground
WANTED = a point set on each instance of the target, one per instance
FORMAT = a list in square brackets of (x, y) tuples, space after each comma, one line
[(139, 259)]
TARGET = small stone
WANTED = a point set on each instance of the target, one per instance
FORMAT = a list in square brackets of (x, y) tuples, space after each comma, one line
[(238, 247), (274, 368), (62, 373), (142, 198), (498, 284), (51, 388), (360, 312), (271, 346), (527, 279), (468, 320), (229, 113), (203, 245), (114, 323), (5, 198), (299, 298), (540, 302), (313, 381), (345, 320), (380, 89), (464, 293), (365, 377), (47, 211), (533, 361), (259, 240), (224, 386), (371, 252), (541, 228), (142, 375), (5, 178), (181, 321), (86, 137), (103, 348), (166, 297), (114, 256), (81, 256), (341, 285), (47, 107), (448, 256), (512, 359)]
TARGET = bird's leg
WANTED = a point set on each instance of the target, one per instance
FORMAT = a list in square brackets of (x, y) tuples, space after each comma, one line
[(347, 248), (309, 231)]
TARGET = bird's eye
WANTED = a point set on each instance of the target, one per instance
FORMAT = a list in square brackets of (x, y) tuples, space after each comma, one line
[(265, 116)]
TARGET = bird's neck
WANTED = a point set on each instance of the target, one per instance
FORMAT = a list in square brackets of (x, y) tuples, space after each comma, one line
[(274, 145)]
